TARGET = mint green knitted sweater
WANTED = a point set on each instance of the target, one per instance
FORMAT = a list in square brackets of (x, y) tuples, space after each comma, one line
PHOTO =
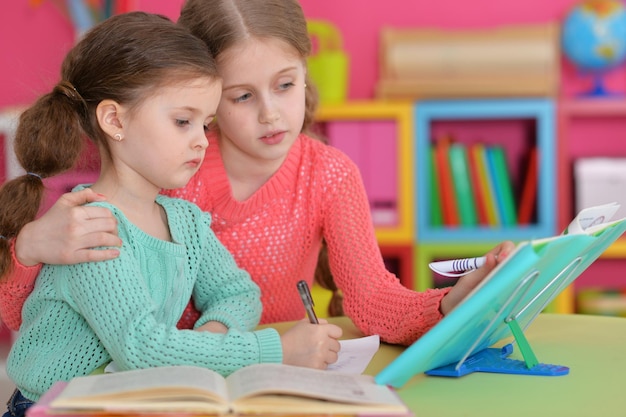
[(80, 317)]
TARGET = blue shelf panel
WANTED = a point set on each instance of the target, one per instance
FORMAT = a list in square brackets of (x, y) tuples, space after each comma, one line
[(541, 110), (483, 234)]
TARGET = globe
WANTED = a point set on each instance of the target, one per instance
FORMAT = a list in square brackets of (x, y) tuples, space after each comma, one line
[(593, 38)]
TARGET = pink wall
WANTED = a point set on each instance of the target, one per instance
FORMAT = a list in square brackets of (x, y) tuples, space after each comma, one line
[(33, 41), (361, 39)]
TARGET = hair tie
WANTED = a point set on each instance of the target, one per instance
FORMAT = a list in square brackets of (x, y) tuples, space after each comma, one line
[(67, 88), (34, 175), (3, 237)]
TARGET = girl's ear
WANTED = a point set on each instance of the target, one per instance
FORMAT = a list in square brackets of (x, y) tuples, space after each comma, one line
[(109, 114)]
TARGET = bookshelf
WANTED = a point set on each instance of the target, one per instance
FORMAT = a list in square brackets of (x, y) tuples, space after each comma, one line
[(515, 124), (412, 242), (589, 128)]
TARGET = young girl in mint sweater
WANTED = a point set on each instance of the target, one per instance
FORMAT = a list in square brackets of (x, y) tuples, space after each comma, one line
[(144, 90)]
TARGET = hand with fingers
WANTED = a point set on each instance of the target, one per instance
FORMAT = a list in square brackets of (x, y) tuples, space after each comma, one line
[(311, 345), (468, 282), (68, 232)]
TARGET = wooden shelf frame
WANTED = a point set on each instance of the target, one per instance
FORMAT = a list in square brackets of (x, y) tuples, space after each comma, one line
[(542, 110)]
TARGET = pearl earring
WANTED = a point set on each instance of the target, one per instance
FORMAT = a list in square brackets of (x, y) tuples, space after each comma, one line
[(118, 137)]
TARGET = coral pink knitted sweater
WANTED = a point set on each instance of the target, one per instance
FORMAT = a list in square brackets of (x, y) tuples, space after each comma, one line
[(276, 236)]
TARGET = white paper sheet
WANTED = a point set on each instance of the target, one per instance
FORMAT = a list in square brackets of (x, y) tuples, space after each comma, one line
[(356, 354)]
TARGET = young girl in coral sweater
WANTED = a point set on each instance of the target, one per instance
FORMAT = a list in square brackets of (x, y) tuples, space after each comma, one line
[(274, 192)]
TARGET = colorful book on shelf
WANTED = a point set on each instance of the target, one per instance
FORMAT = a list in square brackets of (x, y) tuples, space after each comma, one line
[(479, 152), (503, 187), (528, 196), (260, 389), (446, 185), (434, 206), (478, 185), (463, 188)]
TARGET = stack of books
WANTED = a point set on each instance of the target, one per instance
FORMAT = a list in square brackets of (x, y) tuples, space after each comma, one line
[(471, 186)]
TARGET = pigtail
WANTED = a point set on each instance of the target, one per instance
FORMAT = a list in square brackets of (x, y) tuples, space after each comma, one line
[(48, 141)]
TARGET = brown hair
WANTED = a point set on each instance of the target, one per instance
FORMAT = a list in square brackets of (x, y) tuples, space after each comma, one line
[(223, 23), (123, 59)]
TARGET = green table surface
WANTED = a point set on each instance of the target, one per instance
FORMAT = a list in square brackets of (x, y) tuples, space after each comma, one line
[(593, 347)]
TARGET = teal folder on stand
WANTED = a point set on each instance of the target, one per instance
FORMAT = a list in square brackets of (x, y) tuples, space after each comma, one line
[(505, 303)]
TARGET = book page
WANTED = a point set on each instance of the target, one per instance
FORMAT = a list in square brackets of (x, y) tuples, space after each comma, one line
[(163, 383), (257, 380)]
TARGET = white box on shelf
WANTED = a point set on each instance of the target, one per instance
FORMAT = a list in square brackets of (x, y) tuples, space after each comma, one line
[(600, 180)]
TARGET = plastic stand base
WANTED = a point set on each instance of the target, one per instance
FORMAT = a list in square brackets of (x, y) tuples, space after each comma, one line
[(599, 90), (496, 360)]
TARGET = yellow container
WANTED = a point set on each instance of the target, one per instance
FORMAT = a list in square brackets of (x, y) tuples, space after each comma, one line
[(328, 63)]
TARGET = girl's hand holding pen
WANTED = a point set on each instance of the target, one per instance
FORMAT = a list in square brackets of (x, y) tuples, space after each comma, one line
[(468, 282), (311, 345)]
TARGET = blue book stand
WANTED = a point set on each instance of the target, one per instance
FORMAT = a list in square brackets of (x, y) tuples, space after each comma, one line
[(501, 306)]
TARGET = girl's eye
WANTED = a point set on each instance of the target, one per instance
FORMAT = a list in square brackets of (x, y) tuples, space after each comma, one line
[(243, 98), (286, 86), (181, 122)]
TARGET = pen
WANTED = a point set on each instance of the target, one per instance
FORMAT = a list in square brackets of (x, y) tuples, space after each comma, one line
[(457, 267), (307, 300)]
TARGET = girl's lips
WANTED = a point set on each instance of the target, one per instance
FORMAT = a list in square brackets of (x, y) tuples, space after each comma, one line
[(194, 162), (273, 138)]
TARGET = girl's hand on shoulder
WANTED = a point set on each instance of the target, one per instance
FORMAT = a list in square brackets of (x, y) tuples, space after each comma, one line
[(311, 345), (468, 282), (68, 231)]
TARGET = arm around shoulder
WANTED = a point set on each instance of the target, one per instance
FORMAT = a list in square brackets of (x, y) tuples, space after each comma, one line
[(68, 232), (15, 289)]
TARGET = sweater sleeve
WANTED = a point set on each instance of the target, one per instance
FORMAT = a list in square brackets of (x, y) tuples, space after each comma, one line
[(373, 297), (15, 290), (121, 310), (224, 292)]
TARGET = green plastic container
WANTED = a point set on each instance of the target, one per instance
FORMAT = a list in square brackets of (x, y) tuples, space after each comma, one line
[(328, 63)]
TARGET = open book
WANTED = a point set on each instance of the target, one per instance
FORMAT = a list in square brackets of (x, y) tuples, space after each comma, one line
[(257, 389)]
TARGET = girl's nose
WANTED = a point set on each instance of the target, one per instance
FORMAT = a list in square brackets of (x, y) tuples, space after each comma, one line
[(269, 113), (201, 142)]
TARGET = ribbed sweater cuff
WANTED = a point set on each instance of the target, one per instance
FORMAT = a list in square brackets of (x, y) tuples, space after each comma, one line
[(223, 317), (432, 305), (270, 347)]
